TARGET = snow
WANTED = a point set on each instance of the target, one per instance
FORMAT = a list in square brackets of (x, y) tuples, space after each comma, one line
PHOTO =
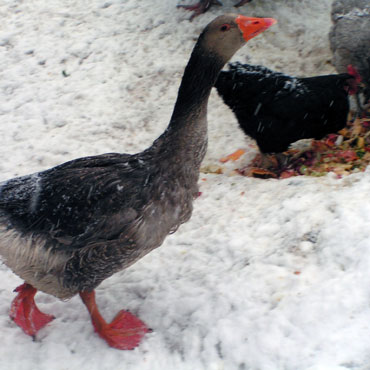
[(266, 275)]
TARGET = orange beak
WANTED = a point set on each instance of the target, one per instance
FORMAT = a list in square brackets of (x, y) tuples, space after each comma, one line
[(252, 27)]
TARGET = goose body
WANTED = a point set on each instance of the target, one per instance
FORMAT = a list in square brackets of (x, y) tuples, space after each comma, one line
[(350, 40), (66, 229)]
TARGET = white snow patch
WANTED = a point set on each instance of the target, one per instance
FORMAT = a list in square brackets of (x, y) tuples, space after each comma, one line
[(266, 274)]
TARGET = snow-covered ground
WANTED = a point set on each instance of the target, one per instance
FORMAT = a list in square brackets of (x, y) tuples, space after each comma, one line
[(266, 275)]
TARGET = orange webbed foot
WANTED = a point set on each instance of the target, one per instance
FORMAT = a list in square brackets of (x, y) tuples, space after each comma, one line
[(124, 332), (25, 313)]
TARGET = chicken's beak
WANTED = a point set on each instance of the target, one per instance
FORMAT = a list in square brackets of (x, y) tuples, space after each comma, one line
[(252, 27)]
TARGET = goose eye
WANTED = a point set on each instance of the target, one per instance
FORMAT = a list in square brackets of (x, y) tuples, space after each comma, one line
[(225, 27)]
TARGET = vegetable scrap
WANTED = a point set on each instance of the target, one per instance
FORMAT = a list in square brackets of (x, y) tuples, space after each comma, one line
[(343, 153)]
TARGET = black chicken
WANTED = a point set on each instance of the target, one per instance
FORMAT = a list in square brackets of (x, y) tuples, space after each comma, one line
[(276, 109), (203, 5)]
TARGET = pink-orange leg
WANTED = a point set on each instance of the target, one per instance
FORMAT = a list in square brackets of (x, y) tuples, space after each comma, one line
[(124, 332), (25, 313), (201, 7)]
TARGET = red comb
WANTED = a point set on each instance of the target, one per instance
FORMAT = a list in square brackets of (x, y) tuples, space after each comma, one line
[(353, 83), (353, 72)]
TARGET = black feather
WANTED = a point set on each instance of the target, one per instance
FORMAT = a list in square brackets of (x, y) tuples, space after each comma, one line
[(276, 109)]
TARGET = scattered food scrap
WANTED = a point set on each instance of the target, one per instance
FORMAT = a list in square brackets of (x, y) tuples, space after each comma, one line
[(343, 153)]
